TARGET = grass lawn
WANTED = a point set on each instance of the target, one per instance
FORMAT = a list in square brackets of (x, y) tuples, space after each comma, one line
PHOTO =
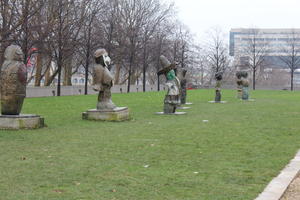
[(233, 156)]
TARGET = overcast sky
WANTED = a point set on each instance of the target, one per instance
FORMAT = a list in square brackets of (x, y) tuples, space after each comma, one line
[(201, 15)]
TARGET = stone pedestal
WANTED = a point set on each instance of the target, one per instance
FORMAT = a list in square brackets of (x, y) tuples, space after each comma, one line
[(176, 113), (183, 108), (117, 114), (22, 121), (217, 102)]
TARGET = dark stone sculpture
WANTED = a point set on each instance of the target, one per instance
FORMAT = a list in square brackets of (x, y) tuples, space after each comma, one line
[(239, 84), (172, 98), (13, 81), (218, 77), (103, 80), (245, 85), (183, 86)]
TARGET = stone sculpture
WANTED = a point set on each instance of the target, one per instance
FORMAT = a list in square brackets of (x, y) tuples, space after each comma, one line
[(103, 80), (172, 98), (183, 86), (239, 84), (13, 77), (245, 85), (218, 77), (105, 110)]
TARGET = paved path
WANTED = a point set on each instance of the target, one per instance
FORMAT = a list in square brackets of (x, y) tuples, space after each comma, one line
[(293, 191)]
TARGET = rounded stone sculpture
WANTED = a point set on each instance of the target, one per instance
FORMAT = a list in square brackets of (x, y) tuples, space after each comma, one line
[(13, 77), (13, 81), (245, 85)]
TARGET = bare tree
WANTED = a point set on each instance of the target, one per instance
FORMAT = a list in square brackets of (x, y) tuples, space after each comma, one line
[(290, 54), (255, 52), (217, 52)]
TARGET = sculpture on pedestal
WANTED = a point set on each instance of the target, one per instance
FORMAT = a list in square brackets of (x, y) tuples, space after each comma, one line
[(245, 85), (13, 78), (172, 98), (183, 86), (239, 84), (218, 77), (103, 80), (106, 110)]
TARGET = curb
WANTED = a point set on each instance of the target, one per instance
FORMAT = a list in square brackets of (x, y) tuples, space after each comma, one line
[(276, 188)]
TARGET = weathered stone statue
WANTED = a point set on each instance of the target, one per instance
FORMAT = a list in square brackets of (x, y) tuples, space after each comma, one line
[(13, 78), (239, 84), (218, 77), (172, 98), (102, 82), (183, 86), (245, 85)]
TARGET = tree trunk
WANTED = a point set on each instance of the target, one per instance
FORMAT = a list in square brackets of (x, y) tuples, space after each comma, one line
[(38, 70), (86, 74), (129, 72), (158, 83), (68, 72), (253, 81), (292, 80), (117, 75), (47, 77)]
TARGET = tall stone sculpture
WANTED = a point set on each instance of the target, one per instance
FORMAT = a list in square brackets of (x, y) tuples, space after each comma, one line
[(102, 83), (239, 84), (218, 77), (245, 85), (103, 80), (183, 86), (172, 98), (13, 77)]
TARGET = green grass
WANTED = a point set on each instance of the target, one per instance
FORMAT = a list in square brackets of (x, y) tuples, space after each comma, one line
[(242, 147)]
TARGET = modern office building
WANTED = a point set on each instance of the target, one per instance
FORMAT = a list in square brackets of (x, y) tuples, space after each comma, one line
[(274, 44)]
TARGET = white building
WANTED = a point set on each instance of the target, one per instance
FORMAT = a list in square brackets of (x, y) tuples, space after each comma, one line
[(275, 44)]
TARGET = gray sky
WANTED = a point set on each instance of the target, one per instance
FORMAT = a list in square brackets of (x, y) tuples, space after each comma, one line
[(201, 15)]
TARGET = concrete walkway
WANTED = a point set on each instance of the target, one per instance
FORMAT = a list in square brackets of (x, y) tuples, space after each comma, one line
[(279, 185)]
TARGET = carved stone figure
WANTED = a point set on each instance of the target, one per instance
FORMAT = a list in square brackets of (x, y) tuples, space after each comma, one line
[(218, 77), (103, 80), (183, 86), (172, 98), (245, 85), (239, 84), (13, 81), (13, 77)]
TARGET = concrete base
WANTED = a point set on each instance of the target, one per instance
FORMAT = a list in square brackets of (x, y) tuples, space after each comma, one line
[(183, 108), (22, 121), (117, 114), (188, 103), (248, 100), (217, 102), (176, 113)]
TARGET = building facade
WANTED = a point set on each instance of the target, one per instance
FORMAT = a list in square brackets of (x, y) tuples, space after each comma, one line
[(274, 45)]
